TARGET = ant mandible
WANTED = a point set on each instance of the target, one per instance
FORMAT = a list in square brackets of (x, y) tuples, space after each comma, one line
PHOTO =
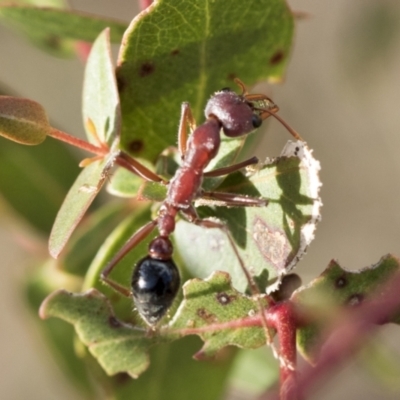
[(155, 279)]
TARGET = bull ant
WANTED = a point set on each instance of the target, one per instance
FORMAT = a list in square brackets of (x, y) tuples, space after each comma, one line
[(155, 279)]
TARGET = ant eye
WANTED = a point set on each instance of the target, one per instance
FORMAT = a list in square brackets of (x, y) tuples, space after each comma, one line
[(226, 89), (256, 121)]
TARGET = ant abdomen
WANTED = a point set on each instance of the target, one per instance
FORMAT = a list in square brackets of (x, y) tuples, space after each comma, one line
[(155, 284), (233, 111)]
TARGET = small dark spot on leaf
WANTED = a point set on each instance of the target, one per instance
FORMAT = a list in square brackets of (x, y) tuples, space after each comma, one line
[(175, 52), (340, 282), (53, 42), (231, 76), (201, 312), (121, 82), (277, 57), (114, 323), (206, 316), (223, 298), (147, 68), (355, 300), (135, 146)]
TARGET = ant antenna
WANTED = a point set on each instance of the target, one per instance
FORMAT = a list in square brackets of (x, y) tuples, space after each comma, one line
[(241, 85), (281, 120), (265, 113)]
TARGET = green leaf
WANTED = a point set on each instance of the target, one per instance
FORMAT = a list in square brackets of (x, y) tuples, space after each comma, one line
[(126, 184), (380, 361), (254, 371), (172, 361), (168, 162), (102, 114), (119, 347), (174, 375), (59, 335), (100, 95), (227, 155), (90, 235), (273, 237), (334, 289), (214, 301), (54, 29), (35, 180), (23, 120), (153, 191), (179, 51), (78, 200)]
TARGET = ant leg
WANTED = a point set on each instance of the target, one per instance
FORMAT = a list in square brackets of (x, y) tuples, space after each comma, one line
[(192, 216), (134, 240), (126, 161), (231, 168), (233, 199), (186, 118)]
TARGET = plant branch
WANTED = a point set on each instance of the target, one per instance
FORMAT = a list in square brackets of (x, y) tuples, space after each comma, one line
[(282, 318), (74, 141), (343, 341)]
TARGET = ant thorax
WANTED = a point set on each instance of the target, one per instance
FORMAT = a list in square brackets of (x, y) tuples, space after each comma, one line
[(234, 112), (202, 147)]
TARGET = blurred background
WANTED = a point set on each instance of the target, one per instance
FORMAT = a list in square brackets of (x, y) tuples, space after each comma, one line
[(341, 92)]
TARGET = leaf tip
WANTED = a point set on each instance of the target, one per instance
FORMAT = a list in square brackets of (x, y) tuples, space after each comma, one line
[(55, 248), (45, 307)]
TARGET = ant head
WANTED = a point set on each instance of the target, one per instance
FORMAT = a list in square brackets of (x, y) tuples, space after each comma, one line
[(239, 114)]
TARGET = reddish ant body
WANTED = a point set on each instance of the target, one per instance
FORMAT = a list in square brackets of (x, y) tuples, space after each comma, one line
[(155, 279)]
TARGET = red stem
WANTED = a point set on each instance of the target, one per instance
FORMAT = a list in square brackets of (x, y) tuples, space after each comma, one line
[(348, 336), (282, 318), (351, 330), (352, 327), (82, 144)]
